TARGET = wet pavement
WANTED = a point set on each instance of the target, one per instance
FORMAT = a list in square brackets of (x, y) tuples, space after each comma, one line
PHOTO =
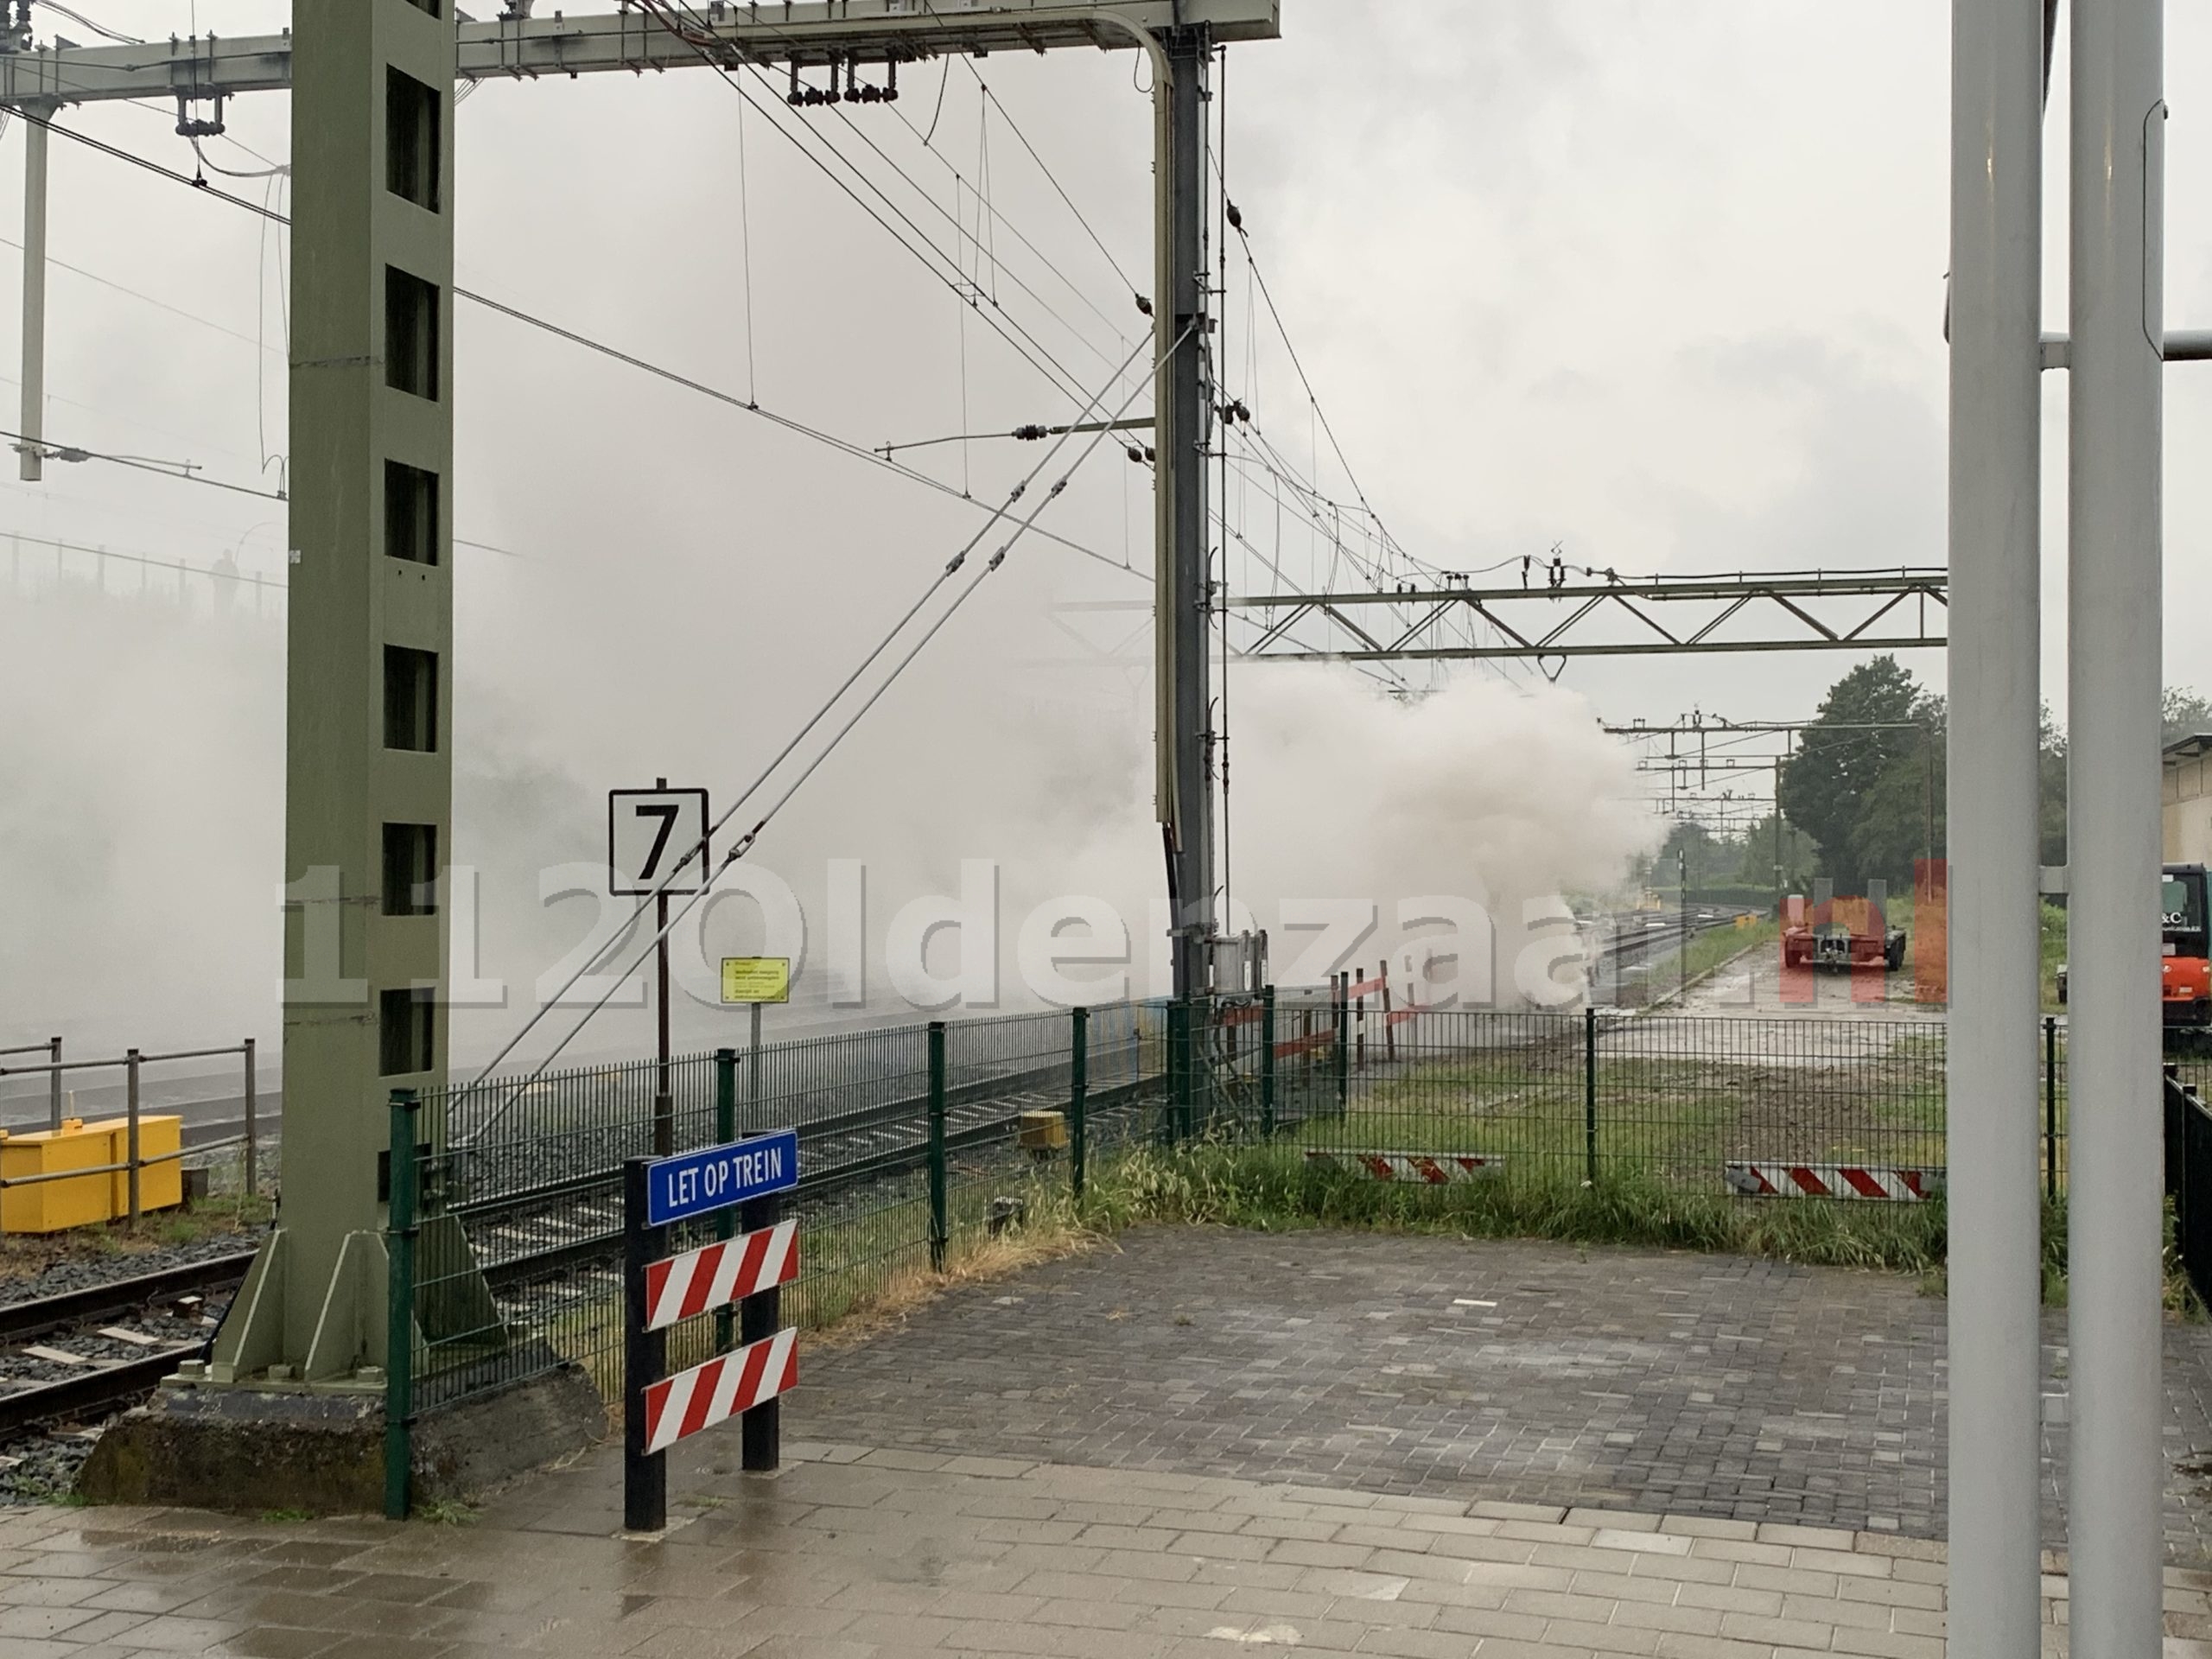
[(1198, 1445), (857, 1553)]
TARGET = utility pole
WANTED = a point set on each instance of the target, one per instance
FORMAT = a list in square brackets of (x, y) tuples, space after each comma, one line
[(37, 118), (1777, 838), (1184, 405)]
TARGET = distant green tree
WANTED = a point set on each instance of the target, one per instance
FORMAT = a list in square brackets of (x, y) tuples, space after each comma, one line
[(2051, 788), (1798, 855), (2185, 714), (1867, 724), (1901, 816)]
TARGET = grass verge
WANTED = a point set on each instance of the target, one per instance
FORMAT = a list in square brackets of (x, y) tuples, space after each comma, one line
[(23, 1255), (1275, 1189)]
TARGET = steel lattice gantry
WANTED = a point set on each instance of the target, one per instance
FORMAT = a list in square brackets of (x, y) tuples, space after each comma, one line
[(1833, 610)]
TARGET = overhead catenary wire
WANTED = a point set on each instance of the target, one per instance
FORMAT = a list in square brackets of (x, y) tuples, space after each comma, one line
[(859, 451), (744, 844), (80, 18), (672, 18)]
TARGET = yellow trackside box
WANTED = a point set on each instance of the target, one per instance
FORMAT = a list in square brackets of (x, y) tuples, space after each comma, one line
[(1042, 1132), (161, 1186), (101, 1194)]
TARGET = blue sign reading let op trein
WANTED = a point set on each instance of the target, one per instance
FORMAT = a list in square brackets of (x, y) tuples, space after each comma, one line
[(714, 1178)]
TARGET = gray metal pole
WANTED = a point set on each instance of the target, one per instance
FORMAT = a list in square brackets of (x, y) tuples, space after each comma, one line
[(1997, 52), (130, 1126), (253, 1128), (1184, 417), (53, 1083), (32, 419), (2113, 1530), (753, 1077)]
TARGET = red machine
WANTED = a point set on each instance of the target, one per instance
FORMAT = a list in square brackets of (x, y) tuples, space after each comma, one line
[(1841, 933), (2185, 973)]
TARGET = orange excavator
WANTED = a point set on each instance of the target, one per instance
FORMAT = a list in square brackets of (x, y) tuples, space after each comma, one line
[(2185, 970)]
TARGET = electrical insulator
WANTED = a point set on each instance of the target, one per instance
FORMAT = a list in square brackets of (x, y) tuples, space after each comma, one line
[(1144, 305), (797, 97)]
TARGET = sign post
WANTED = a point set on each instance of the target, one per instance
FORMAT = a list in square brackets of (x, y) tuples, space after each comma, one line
[(657, 845), (644, 1478), (756, 981), (662, 1290)]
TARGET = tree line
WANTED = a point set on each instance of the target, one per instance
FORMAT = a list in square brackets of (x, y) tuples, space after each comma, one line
[(1862, 795)]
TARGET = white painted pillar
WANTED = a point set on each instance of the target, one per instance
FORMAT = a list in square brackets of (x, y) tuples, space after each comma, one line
[(2115, 1181), (1994, 692)]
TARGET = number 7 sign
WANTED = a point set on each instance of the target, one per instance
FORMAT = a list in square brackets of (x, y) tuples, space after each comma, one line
[(657, 841)]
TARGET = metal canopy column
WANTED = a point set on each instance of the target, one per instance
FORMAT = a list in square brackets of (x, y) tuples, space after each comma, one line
[(1997, 68), (369, 705), (1184, 404), (2115, 1532)]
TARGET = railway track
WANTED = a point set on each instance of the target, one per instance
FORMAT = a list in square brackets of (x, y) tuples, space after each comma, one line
[(85, 1352), (574, 1225)]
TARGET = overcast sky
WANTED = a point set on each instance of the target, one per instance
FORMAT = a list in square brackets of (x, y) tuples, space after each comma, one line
[(1659, 283)]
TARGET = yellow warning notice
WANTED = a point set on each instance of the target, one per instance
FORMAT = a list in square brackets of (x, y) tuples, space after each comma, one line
[(756, 979)]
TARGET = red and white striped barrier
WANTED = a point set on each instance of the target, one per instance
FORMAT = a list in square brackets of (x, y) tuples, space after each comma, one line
[(718, 1390), (1434, 1168), (717, 1275), (1765, 1180)]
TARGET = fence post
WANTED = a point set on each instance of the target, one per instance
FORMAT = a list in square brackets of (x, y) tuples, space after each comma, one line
[(253, 1128), (399, 1301), (1389, 1030), (2050, 1106), (1078, 1092), (1194, 1040), (1179, 1020), (760, 1431), (725, 1132), (1589, 1095), (1267, 1064), (54, 1085), (940, 1230), (1343, 1041), (130, 1126), (1359, 1023), (644, 1358)]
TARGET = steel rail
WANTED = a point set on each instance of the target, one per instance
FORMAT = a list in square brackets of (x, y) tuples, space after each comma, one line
[(22, 1320), (93, 1391)]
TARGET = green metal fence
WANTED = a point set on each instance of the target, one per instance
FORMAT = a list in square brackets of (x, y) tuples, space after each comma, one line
[(920, 1144)]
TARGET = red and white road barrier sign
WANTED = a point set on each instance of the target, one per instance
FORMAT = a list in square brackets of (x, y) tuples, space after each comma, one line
[(714, 1275), (720, 1388), (1778, 1180), (1434, 1168), (744, 1272)]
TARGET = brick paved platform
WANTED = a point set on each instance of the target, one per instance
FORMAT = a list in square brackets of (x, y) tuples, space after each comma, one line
[(1710, 1386), (860, 1553)]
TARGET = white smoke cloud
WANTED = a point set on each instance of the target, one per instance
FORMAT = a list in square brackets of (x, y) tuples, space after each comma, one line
[(142, 829)]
